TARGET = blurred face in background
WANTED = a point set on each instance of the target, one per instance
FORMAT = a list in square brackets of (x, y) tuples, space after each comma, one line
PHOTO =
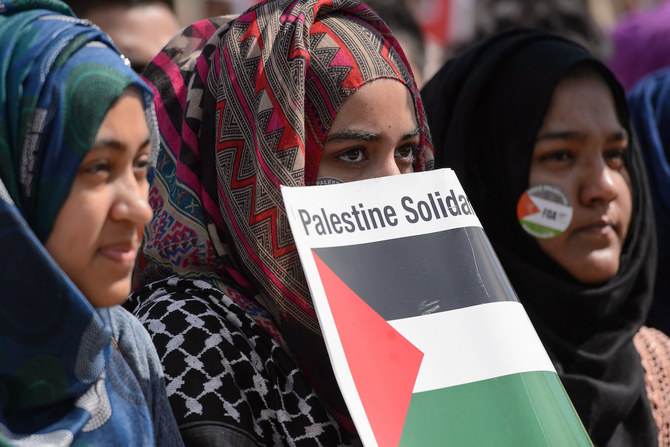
[(140, 32)]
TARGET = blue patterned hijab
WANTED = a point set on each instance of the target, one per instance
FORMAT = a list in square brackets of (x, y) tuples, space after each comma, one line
[(62, 380)]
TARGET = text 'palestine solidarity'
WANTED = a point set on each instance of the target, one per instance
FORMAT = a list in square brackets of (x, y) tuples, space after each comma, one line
[(361, 218)]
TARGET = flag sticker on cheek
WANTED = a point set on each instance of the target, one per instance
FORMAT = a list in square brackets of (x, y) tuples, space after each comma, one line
[(544, 211)]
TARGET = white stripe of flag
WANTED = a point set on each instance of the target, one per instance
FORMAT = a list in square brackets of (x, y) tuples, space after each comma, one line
[(474, 343)]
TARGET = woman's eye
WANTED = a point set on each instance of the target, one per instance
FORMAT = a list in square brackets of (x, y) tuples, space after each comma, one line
[(407, 151), (99, 167), (141, 163), (615, 157), (141, 167), (355, 155), (557, 156)]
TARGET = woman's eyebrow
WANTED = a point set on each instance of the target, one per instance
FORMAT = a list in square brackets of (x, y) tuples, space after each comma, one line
[(561, 135), (411, 134), (116, 144), (353, 134), (618, 135)]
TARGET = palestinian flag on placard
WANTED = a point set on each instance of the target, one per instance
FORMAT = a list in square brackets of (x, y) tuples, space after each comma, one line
[(440, 350)]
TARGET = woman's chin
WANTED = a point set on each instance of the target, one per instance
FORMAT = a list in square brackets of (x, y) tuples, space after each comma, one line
[(599, 267), (111, 295)]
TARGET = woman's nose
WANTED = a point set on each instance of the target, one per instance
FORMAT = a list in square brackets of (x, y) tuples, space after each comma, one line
[(598, 183), (131, 203), (386, 166)]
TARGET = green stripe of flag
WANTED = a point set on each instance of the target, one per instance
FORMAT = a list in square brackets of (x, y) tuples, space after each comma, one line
[(527, 409), (538, 230)]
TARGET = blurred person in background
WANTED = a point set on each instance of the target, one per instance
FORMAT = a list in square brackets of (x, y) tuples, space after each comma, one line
[(641, 44), (649, 102), (568, 18), (139, 28), (404, 26)]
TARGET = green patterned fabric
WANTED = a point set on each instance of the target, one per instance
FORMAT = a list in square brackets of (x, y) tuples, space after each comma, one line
[(56, 86)]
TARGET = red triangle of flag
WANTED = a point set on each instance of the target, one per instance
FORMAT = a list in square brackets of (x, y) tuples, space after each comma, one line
[(526, 206), (383, 363)]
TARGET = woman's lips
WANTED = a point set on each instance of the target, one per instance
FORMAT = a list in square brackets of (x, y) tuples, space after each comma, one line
[(599, 227), (124, 252)]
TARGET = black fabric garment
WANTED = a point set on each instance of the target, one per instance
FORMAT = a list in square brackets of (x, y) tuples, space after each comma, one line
[(485, 109), (229, 381)]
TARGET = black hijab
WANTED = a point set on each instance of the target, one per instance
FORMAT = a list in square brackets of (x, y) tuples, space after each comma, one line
[(484, 110)]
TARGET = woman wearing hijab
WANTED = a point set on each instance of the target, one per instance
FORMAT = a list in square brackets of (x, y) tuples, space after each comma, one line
[(528, 109), (289, 93), (75, 367)]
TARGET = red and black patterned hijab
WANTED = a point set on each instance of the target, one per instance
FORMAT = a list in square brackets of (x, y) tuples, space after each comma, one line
[(244, 106)]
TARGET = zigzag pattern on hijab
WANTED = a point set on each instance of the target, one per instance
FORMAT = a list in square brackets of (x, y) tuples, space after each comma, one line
[(244, 107)]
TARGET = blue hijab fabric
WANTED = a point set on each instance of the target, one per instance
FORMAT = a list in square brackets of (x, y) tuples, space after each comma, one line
[(63, 378), (58, 78), (649, 103)]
